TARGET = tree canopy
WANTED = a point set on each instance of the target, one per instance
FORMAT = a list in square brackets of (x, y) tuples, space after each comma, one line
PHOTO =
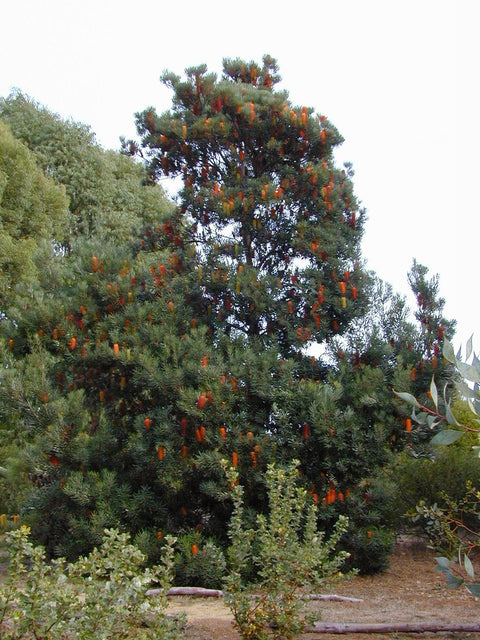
[(275, 224), (108, 194), (32, 209)]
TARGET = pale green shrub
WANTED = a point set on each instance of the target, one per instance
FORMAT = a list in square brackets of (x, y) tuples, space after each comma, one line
[(97, 597), (292, 555)]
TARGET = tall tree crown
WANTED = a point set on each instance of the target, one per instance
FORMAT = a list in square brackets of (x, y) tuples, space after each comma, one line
[(276, 225)]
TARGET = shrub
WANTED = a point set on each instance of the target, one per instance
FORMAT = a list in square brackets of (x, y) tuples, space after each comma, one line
[(434, 481), (98, 597), (199, 562), (370, 549), (291, 553), (369, 507)]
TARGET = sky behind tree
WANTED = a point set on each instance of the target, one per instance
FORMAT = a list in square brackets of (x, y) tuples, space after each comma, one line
[(396, 78)]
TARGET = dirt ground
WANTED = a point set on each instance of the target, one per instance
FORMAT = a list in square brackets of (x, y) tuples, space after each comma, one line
[(411, 590)]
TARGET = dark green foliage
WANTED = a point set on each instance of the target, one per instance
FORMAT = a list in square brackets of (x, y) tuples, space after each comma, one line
[(434, 481), (385, 352), (370, 549), (164, 339), (199, 561), (275, 223)]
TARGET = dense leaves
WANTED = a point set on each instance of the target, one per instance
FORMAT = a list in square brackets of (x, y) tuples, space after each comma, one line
[(275, 224)]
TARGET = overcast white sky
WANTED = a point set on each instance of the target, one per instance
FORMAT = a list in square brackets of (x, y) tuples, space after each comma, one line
[(399, 79)]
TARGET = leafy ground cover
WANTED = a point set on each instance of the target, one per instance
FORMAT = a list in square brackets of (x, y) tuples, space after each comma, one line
[(411, 590)]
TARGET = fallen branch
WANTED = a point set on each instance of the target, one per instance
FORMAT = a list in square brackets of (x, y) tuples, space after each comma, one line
[(198, 592), (332, 596), (201, 592), (390, 627)]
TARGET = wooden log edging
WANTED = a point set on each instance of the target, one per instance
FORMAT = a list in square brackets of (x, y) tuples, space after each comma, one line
[(198, 592), (201, 592), (391, 627)]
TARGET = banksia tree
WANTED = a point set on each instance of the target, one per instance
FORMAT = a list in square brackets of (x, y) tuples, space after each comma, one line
[(275, 228)]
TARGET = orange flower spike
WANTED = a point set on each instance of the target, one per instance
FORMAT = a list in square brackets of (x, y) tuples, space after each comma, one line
[(290, 306), (54, 461), (408, 424), (203, 432), (194, 549), (306, 431), (354, 292), (161, 452), (254, 458), (147, 423), (223, 433), (198, 434), (204, 361), (183, 427), (201, 401), (343, 287), (235, 459), (171, 306), (94, 264), (116, 348), (72, 344), (304, 115)]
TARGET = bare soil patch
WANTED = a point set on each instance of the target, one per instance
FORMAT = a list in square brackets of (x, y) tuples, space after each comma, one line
[(411, 590)]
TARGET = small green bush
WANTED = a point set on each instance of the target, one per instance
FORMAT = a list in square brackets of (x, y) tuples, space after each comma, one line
[(434, 481), (370, 549), (98, 597), (292, 556), (370, 507), (199, 562)]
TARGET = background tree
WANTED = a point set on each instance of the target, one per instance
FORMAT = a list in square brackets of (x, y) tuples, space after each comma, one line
[(33, 209), (107, 191)]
